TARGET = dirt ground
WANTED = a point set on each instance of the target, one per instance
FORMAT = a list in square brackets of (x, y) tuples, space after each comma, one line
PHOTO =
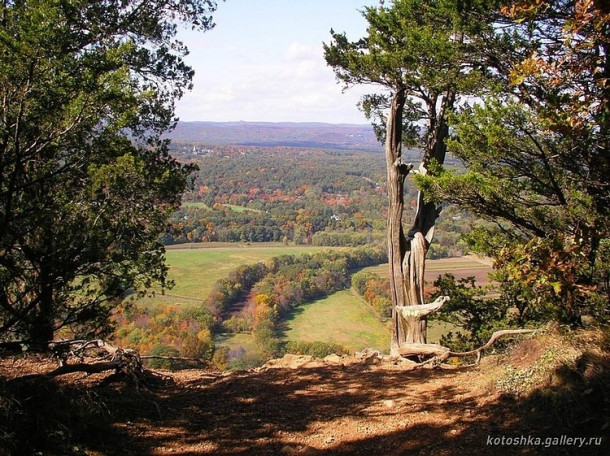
[(294, 406)]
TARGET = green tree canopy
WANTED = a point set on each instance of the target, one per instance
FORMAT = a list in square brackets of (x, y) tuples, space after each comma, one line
[(86, 182), (538, 159), (425, 56)]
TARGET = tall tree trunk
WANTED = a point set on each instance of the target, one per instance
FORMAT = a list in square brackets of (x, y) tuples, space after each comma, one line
[(407, 254), (42, 326), (396, 239)]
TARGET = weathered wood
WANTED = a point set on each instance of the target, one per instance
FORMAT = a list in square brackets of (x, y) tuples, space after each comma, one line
[(395, 233), (92, 357), (440, 353), (423, 309), (410, 350)]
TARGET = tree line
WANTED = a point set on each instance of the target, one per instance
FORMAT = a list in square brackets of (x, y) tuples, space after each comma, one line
[(301, 196), (251, 299)]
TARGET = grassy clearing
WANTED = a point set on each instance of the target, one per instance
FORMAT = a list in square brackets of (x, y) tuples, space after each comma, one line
[(233, 207), (195, 270), (346, 319), (241, 209), (342, 318), (196, 204)]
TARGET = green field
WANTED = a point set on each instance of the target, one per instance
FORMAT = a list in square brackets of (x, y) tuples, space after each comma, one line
[(233, 207), (346, 319), (195, 270), (196, 204), (342, 318), (241, 209)]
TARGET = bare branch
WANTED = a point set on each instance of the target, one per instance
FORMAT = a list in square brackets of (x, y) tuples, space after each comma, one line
[(440, 353), (423, 309)]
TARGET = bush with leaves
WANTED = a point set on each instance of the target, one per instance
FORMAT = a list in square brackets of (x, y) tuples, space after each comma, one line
[(317, 349), (475, 314)]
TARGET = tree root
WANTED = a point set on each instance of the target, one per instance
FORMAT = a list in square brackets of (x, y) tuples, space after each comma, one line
[(98, 356), (440, 354)]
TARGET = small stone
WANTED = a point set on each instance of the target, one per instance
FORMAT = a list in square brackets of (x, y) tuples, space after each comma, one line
[(389, 403), (333, 359)]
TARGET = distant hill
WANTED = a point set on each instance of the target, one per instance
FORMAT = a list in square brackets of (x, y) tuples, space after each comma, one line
[(265, 134)]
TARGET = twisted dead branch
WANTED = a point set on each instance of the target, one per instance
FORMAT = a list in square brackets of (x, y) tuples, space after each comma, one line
[(440, 354), (97, 356)]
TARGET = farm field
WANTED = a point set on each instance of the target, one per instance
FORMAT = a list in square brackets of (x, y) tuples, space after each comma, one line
[(342, 318), (196, 267), (461, 267)]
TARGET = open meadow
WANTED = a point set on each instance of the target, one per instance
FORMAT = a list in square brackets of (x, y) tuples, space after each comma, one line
[(342, 318), (195, 268)]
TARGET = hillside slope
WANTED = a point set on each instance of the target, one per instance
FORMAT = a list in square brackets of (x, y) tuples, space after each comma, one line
[(547, 387)]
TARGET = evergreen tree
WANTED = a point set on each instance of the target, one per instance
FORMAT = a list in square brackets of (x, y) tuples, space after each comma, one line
[(86, 182), (425, 56), (538, 159)]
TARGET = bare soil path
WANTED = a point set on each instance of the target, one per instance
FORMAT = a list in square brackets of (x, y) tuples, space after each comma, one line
[(298, 407)]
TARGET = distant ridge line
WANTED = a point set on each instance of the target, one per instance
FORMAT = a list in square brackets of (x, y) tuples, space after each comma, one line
[(283, 134)]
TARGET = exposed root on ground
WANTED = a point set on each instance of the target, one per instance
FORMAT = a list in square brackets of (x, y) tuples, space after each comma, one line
[(437, 354), (97, 356)]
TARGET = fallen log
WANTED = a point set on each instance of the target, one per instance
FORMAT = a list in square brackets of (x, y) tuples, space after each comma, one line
[(408, 350), (98, 356)]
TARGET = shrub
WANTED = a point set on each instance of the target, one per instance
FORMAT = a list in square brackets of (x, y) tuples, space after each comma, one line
[(318, 349), (164, 350)]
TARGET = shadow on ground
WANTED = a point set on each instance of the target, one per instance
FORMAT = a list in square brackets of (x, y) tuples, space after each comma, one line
[(330, 410)]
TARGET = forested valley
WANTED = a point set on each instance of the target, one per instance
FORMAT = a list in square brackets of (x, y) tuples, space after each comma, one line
[(280, 195), (323, 197), (253, 195)]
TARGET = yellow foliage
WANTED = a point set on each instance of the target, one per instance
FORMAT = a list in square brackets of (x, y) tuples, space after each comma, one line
[(205, 335)]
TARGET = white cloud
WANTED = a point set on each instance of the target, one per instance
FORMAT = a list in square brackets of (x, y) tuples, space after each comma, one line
[(278, 76), (300, 51)]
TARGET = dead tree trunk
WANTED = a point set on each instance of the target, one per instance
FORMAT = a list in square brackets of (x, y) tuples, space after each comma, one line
[(407, 253), (396, 173)]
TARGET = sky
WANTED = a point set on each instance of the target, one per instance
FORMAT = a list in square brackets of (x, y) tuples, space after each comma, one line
[(263, 61)]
